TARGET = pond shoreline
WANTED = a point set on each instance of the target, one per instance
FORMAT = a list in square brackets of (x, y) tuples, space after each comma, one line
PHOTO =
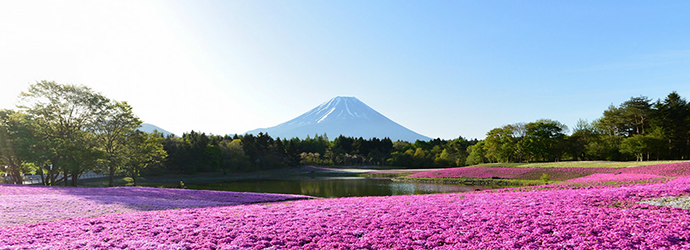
[(470, 181), (173, 179)]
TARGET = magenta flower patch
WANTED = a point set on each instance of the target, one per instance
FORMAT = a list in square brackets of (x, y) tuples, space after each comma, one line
[(616, 177), (579, 218), (30, 204), (559, 174), (566, 216)]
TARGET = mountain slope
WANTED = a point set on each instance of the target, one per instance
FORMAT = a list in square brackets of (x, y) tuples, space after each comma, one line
[(346, 116), (149, 128)]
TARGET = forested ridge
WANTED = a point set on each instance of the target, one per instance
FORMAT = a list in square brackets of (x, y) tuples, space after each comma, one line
[(62, 131)]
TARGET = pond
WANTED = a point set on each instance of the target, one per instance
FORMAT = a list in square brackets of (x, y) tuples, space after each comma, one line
[(335, 187)]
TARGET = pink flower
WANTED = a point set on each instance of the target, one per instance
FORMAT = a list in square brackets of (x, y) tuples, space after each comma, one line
[(579, 218)]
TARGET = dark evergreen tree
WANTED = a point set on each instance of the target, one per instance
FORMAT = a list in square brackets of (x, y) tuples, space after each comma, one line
[(673, 117)]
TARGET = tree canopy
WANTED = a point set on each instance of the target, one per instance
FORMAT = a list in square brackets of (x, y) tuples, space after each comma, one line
[(64, 130)]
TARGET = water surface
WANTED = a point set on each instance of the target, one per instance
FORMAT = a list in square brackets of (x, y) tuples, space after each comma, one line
[(335, 187)]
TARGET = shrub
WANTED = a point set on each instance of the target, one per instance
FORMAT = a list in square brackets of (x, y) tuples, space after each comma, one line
[(545, 178)]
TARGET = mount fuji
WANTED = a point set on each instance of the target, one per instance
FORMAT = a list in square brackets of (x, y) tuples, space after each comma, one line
[(347, 116), (149, 128)]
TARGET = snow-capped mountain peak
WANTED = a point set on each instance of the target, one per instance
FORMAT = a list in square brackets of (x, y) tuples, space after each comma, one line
[(342, 115), (338, 108)]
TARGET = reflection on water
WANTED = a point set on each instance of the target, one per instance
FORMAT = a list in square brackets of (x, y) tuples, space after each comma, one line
[(403, 188), (335, 187)]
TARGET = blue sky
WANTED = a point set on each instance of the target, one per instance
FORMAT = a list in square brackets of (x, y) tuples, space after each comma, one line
[(441, 68)]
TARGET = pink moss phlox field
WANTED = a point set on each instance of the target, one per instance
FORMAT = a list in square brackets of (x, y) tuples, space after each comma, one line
[(30, 204), (475, 172), (165, 193), (615, 177), (560, 174), (668, 170), (586, 218)]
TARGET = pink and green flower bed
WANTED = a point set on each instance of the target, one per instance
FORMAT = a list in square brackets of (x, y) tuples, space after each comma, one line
[(555, 173), (597, 178), (546, 217), (29, 204), (584, 218)]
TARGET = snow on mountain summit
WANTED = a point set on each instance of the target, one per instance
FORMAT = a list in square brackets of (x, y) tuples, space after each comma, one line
[(338, 108), (342, 115)]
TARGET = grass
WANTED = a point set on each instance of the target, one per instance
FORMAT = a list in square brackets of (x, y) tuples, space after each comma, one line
[(577, 164), (477, 182), (382, 175)]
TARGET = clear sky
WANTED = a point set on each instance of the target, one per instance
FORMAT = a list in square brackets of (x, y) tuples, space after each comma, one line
[(441, 68)]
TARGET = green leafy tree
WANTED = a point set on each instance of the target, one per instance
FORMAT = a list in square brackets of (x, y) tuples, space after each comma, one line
[(65, 115), (213, 158), (615, 123), (476, 154), (113, 126), (293, 153), (21, 150), (179, 156), (10, 159), (673, 117), (545, 139), (194, 148), (444, 159), (640, 145), (144, 150), (500, 144), (419, 154), (634, 145), (605, 145), (636, 113), (583, 134), (233, 157)]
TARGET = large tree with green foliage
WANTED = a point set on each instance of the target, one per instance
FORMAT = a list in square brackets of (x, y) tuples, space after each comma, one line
[(10, 150), (113, 126), (673, 117), (143, 150), (476, 154), (640, 145), (545, 139), (69, 129), (64, 116), (233, 158), (500, 145)]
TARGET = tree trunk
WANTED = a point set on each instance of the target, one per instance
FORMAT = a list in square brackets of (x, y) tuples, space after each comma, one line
[(65, 175), (43, 179), (53, 176), (49, 176), (15, 173), (111, 175), (59, 181), (135, 174), (75, 177)]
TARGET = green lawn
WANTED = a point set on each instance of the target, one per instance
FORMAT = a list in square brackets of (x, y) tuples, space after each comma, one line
[(578, 164)]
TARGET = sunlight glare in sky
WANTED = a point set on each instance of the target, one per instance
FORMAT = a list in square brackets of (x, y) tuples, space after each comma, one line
[(442, 68)]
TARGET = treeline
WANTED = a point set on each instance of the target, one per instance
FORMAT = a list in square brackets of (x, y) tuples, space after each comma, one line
[(62, 131), (638, 129), (197, 152)]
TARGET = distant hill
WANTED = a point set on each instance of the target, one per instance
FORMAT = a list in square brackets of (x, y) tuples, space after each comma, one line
[(149, 128), (346, 116)]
